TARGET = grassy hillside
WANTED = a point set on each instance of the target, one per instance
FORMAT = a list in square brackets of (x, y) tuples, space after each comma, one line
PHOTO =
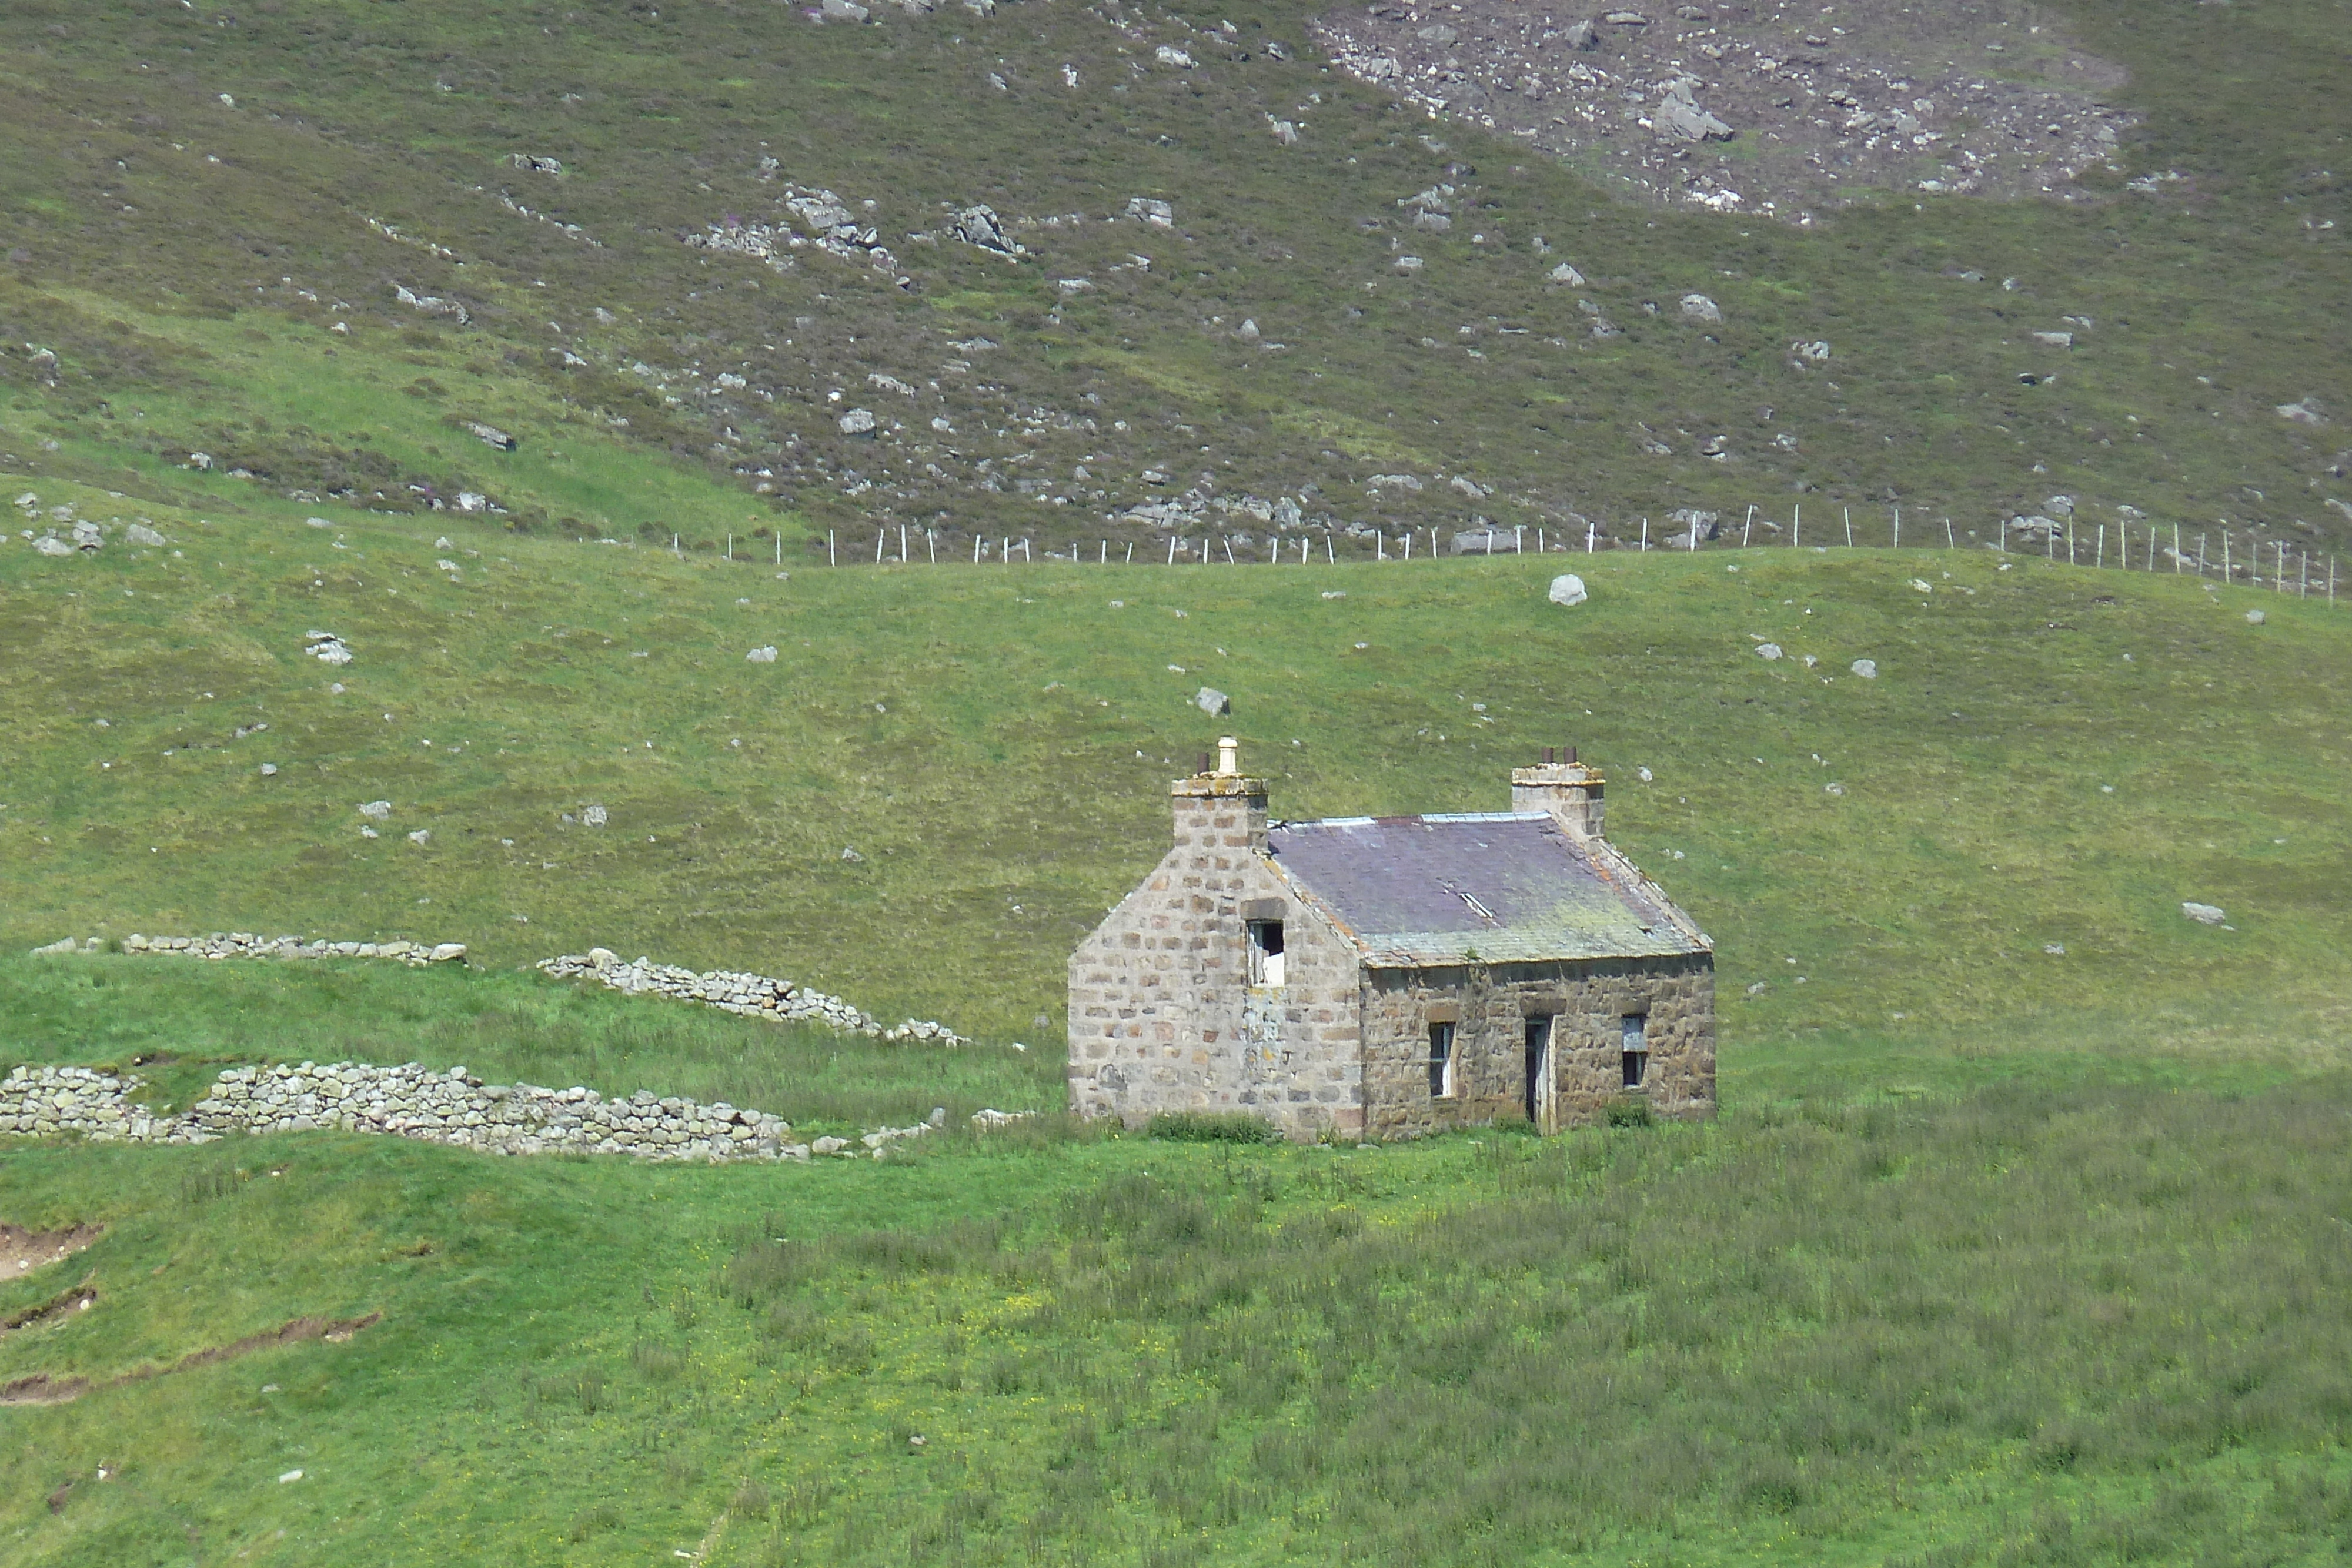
[(200, 197), (2047, 757)]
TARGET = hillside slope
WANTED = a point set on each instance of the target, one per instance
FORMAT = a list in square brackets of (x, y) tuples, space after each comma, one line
[(483, 214), (945, 774)]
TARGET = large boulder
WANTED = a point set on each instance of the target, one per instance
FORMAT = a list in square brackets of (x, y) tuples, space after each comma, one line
[(1567, 589)]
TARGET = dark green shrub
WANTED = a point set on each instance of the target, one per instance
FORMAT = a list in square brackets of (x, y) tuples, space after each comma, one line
[(1628, 1110)]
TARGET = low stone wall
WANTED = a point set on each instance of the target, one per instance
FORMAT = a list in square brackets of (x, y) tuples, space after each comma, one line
[(455, 1107), (756, 996), (48, 1102), (753, 996), (409, 1102), (239, 945)]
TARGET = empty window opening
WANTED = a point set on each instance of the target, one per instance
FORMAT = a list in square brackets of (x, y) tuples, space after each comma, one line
[(1266, 951), (1441, 1062), (1538, 1051), (1636, 1055)]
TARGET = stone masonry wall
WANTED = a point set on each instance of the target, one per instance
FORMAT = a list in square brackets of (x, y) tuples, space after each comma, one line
[(1676, 995), (1162, 1015)]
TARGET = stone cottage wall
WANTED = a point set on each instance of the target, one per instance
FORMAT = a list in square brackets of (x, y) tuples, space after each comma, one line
[(1587, 1000), (1162, 1014)]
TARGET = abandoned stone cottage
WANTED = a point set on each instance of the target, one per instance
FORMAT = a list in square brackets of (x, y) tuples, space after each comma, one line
[(1386, 977)]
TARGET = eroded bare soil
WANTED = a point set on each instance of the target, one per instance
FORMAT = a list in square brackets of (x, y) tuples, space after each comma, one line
[(1775, 108), (21, 1251), (40, 1388)]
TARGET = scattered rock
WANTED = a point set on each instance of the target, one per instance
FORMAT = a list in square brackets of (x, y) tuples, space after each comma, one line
[(2204, 914), (1210, 701), (1866, 668), (857, 422), (2255, 618), (844, 11), (593, 816), (140, 534), (1167, 54), (327, 648), (491, 436), (2306, 411), (981, 227), (1566, 274), (1768, 651), (1566, 590), (766, 656), (49, 544), (1151, 210), (1699, 308), (376, 810)]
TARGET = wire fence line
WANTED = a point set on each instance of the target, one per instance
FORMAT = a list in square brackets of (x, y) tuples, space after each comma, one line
[(2125, 545)]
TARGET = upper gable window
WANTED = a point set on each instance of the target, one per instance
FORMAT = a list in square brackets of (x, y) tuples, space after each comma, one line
[(1266, 966)]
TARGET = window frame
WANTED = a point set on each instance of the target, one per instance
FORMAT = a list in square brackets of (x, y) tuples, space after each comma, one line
[(1444, 1039), (1261, 972), (1634, 1050)]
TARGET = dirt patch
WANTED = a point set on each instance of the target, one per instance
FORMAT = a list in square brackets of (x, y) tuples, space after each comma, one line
[(80, 1299), (21, 1251), (1770, 108), (40, 1388)]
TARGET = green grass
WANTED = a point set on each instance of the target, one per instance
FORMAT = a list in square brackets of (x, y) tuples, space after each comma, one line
[(2018, 1326), (2048, 758)]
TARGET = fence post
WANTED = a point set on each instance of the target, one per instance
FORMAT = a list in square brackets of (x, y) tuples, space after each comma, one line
[(1645, 536), (1950, 542), (1849, 526), (1796, 523), (730, 547), (1898, 528), (2102, 560), (832, 557), (1587, 538)]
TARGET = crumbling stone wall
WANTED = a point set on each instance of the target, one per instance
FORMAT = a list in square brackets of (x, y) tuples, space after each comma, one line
[(1587, 1001), (1163, 1017)]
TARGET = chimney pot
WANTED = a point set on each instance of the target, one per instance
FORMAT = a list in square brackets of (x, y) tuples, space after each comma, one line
[(1571, 754), (1204, 762), (1229, 754), (1550, 757)]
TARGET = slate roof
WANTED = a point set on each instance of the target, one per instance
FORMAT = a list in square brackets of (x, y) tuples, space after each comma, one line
[(1500, 887)]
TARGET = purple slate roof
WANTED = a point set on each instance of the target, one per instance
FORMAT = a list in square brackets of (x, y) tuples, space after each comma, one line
[(1504, 887)]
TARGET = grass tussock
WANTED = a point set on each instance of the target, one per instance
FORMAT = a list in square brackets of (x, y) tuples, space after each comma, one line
[(1212, 1127)]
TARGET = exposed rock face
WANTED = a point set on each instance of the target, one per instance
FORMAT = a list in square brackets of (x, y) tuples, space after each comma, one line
[(1890, 96)]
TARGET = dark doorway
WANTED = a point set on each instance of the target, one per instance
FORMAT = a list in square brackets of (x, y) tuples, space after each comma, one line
[(1539, 1047)]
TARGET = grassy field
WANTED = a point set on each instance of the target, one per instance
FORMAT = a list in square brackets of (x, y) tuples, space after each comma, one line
[(2047, 757), (1999, 1254)]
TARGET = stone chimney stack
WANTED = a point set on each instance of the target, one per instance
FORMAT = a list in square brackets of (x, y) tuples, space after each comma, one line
[(1220, 814), (1568, 790)]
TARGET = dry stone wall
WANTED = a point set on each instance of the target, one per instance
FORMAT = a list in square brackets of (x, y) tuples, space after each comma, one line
[(754, 996), (408, 1102), (49, 1100)]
